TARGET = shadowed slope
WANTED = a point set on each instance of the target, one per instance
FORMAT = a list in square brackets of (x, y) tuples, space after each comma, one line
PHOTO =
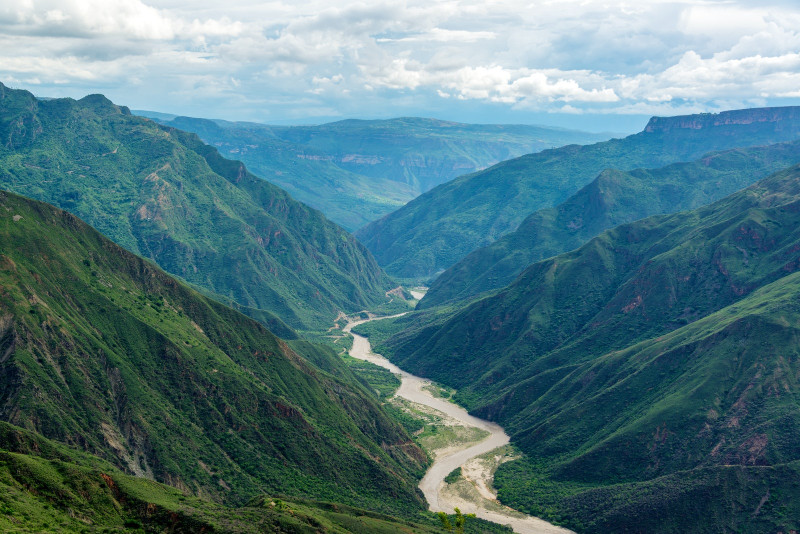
[(646, 362)]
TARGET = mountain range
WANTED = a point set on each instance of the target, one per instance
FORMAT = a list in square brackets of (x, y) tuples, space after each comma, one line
[(613, 198), (437, 229), (356, 171), (649, 375), (157, 302), (162, 193)]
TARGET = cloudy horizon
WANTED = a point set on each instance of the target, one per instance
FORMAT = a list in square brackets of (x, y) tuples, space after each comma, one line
[(582, 64)]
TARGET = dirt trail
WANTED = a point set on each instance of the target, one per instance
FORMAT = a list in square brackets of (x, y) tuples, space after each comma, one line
[(432, 485)]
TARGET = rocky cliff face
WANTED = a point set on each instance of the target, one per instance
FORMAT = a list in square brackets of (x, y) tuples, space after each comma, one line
[(710, 120)]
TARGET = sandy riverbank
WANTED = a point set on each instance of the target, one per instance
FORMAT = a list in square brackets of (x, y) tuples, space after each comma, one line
[(441, 498)]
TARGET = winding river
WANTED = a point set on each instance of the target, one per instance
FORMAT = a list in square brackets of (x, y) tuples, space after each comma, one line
[(433, 485)]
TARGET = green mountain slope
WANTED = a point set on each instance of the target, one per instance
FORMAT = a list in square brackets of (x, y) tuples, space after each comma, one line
[(103, 351), (47, 487), (611, 199), (309, 175), (356, 171), (659, 348), (437, 229), (693, 431), (165, 195)]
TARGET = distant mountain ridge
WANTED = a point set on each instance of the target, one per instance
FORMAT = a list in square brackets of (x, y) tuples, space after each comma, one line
[(437, 229), (356, 171), (724, 118), (164, 194), (611, 199)]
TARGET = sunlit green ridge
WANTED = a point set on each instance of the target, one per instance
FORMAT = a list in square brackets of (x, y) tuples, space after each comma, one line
[(103, 351), (162, 193)]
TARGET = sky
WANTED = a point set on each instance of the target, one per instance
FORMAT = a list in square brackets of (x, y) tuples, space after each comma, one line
[(594, 65)]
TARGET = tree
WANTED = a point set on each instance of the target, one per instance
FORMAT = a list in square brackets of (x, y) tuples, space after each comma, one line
[(445, 521), (460, 520)]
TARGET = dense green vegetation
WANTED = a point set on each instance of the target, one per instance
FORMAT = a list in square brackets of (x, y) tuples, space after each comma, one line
[(105, 352), (163, 194), (454, 475), (611, 199), (648, 374), (437, 229), (730, 498), (47, 487), (357, 171), (382, 381)]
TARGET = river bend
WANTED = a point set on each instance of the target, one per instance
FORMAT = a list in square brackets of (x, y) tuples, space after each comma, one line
[(432, 484)]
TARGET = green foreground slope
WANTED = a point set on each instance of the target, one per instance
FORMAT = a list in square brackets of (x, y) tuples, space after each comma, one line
[(47, 487), (103, 351), (642, 366), (611, 199), (437, 229), (356, 171), (165, 195)]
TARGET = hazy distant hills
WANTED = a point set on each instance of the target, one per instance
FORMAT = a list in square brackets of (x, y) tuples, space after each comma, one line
[(164, 194), (105, 352), (437, 229), (650, 375), (613, 198), (356, 171)]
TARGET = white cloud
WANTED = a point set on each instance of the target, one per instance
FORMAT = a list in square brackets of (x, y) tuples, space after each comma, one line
[(74, 18), (443, 36), (565, 56)]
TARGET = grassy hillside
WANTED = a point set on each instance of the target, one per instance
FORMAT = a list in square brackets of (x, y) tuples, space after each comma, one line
[(611, 199), (635, 370), (103, 351), (357, 171), (47, 487), (693, 431), (437, 229), (163, 194)]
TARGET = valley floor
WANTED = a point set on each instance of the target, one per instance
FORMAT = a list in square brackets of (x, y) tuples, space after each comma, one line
[(478, 454)]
